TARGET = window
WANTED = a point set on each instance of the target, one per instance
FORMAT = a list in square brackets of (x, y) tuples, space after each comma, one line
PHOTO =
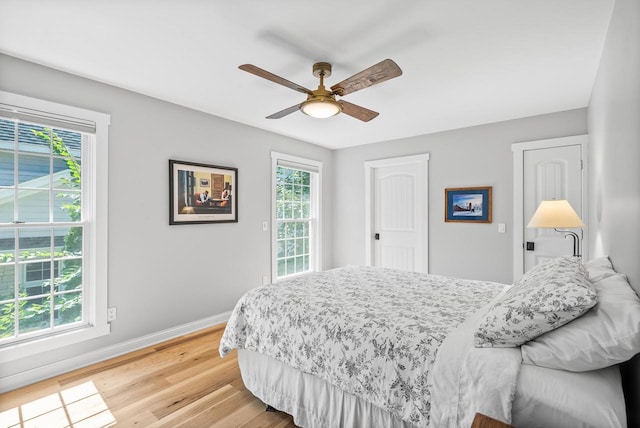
[(52, 260), (296, 219)]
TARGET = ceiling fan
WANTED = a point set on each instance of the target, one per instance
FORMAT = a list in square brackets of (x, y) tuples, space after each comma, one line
[(322, 103)]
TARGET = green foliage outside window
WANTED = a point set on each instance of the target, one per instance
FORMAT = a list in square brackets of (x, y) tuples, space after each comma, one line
[(293, 212), (35, 314)]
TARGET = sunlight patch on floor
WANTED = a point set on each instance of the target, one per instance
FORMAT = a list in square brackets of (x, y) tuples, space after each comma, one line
[(76, 407)]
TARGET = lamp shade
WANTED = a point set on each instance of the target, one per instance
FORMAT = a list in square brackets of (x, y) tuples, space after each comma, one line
[(554, 214)]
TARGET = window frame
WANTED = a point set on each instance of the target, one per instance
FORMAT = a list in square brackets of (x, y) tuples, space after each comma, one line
[(315, 244), (95, 217)]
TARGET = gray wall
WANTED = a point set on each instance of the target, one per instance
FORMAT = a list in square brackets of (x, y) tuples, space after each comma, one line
[(614, 127), (162, 276), (155, 270), (476, 156)]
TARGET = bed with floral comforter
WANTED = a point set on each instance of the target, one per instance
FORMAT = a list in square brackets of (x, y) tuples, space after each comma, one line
[(375, 333)]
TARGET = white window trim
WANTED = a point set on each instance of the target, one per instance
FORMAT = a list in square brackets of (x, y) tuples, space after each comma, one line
[(316, 260), (95, 201)]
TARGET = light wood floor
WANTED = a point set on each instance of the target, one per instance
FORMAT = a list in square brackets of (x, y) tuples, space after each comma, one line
[(179, 383)]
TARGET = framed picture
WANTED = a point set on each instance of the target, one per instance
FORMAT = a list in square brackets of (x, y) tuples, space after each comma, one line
[(201, 193), (468, 204)]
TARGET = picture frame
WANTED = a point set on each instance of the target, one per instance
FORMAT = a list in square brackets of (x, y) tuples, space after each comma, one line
[(202, 193), (468, 204)]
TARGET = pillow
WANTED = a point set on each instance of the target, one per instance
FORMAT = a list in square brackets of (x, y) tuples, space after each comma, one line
[(599, 268), (608, 334), (549, 295)]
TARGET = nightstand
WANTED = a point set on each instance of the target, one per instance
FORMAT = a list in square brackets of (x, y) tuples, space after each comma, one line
[(484, 421)]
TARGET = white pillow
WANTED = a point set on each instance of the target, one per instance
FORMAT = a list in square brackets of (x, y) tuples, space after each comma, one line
[(599, 268), (608, 334), (549, 295)]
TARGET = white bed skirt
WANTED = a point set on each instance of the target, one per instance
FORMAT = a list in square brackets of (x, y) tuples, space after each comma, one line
[(551, 398), (312, 402)]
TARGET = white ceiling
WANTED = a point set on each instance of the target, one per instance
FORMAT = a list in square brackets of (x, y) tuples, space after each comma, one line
[(465, 62)]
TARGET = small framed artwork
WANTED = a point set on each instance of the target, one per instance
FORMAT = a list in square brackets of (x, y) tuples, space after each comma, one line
[(468, 204), (202, 193)]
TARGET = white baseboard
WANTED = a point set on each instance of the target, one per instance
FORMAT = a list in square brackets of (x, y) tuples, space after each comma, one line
[(18, 380)]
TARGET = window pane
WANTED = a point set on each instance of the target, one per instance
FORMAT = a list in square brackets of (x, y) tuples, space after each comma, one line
[(306, 178), (68, 308), (300, 246), (34, 278), (7, 318), (297, 193), (6, 205), (282, 267), (7, 169), (299, 264), (7, 134), (280, 249), (66, 174), (279, 210), (34, 171), (34, 243), (290, 249), (66, 206), (68, 275), (7, 245), (291, 265), (67, 143), (302, 228), (33, 205), (7, 281), (282, 230), (305, 210), (68, 240), (33, 138), (35, 315)]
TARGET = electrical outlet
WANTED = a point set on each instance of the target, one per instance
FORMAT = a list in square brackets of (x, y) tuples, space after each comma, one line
[(265, 280), (112, 314), (265, 225), (502, 228)]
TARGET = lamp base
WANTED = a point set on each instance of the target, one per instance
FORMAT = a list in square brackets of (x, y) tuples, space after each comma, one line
[(576, 240)]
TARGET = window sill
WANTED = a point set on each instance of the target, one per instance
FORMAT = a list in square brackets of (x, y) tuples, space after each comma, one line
[(16, 351)]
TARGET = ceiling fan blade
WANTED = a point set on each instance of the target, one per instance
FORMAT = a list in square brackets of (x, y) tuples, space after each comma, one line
[(384, 70), (250, 68), (360, 113), (283, 113)]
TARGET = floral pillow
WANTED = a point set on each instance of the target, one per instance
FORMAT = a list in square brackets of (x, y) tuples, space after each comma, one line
[(546, 297)]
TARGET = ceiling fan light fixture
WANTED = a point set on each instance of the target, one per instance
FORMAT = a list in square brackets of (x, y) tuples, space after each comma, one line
[(321, 107)]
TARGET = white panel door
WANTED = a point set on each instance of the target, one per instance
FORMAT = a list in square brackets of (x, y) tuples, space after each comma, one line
[(398, 217), (550, 173)]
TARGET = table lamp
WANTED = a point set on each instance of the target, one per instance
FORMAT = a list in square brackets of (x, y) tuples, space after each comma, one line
[(558, 214)]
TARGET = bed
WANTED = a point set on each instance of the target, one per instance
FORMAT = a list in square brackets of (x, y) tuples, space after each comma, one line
[(363, 346)]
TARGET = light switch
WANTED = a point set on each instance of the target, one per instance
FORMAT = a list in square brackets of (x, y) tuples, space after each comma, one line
[(502, 228)]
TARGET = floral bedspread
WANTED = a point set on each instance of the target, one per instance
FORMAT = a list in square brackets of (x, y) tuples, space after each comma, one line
[(372, 332)]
